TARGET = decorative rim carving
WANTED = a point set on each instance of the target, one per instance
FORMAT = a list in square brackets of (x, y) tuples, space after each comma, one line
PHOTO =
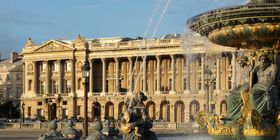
[(217, 19), (246, 36)]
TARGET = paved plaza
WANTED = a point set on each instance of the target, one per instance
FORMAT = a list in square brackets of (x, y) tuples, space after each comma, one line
[(163, 135)]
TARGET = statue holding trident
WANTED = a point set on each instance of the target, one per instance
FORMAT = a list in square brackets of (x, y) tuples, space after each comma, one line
[(251, 108), (261, 94)]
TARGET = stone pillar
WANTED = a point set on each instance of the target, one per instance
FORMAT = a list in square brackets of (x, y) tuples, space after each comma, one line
[(73, 83), (233, 64), (196, 79), (218, 87), (103, 76), (158, 75), (103, 111), (130, 76), (35, 78), (188, 76), (60, 79), (202, 73), (116, 110), (144, 58), (172, 113), (91, 77), (173, 74), (48, 78), (117, 88), (157, 110), (23, 78)]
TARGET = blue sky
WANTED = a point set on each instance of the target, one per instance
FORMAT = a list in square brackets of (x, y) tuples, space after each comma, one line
[(64, 19)]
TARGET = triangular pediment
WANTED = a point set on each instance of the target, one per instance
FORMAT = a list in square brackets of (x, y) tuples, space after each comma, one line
[(54, 46)]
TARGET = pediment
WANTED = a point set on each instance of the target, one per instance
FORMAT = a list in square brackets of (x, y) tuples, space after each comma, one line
[(54, 46)]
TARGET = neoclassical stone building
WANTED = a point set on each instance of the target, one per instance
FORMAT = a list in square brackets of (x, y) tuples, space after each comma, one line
[(176, 87), (11, 79)]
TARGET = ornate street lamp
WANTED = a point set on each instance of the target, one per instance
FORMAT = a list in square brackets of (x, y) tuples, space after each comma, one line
[(85, 72), (22, 107), (208, 73)]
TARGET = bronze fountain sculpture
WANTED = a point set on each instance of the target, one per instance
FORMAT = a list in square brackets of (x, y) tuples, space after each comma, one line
[(135, 124), (253, 109)]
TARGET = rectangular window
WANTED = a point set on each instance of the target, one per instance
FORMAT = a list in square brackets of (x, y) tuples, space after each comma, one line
[(68, 86), (43, 67), (29, 84), (55, 67), (68, 66), (55, 87), (185, 83), (64, 113), (39, 112), (29, 111), (40, 103), (229, 83), (43, 87), (9, 77), (18, 91), (9, 92), (78, 110), (19, 77), (64, 102)]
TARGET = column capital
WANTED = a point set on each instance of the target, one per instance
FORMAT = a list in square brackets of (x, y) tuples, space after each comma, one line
[(172, 56), (103, 60), (116, 59), (144, 57), (158, 57), (130, 58)]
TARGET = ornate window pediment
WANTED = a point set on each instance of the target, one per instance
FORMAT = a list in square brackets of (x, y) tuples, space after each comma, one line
[(53, 46)]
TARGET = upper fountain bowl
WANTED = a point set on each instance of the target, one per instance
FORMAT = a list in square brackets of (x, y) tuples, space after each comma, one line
[(251, 26)]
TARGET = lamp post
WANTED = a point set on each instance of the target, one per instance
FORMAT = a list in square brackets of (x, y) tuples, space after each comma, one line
[(85, 73), (22, 107), (209, 74)]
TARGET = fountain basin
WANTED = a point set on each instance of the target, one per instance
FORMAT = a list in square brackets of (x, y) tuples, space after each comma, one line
[(240, 26)]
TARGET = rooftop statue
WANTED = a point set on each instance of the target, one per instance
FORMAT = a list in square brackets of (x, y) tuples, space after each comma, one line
[(135, 124)]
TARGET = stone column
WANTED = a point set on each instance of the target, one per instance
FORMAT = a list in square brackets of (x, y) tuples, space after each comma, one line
[(173, 74), (48, 78), (218, 87), (172, 113), (188, 78), (103, 76), (60, 79), (73, 73), (157, 110), (158, 75), (117, 88), (35, 78), (130, 76), (233, 64), (91, 77), (202, 73), (103, 112), (23, 78), (144, 58)]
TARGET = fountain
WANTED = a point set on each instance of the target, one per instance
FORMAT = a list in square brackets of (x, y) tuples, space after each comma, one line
[(253, 108)]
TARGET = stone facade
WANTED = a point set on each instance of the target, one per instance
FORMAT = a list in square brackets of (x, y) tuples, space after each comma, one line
[(174, 85), (11, 79)]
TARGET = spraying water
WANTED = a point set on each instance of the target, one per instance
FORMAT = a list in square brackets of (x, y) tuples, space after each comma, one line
[(148, 46)]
